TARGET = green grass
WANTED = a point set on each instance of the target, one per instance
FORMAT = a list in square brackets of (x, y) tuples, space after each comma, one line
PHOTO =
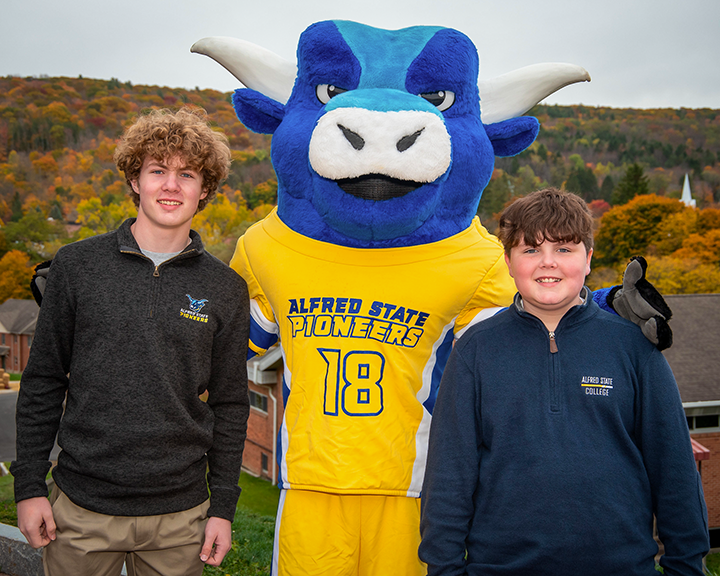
[(712, 562), (15, 375), (8, 515)]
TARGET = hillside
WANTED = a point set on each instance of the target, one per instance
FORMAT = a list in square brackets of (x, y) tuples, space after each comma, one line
[(58, 182)]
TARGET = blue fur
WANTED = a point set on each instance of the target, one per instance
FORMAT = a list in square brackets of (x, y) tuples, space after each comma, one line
[(384, 55), (512, 136), (258, 112), (384, 71)]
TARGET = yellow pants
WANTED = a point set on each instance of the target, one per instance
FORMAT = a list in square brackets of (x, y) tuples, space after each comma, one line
[(318, 534), (92, 544)]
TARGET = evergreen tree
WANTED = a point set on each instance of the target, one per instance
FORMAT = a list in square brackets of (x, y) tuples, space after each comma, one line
[(607, 188), (634, 183), (16, 207), (582, 181)]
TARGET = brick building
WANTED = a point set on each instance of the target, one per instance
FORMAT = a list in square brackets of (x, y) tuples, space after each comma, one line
[(695, 361), (17, 327), (266, 413)]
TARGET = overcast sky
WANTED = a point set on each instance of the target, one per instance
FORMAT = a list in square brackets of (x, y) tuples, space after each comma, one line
[(640, 53)]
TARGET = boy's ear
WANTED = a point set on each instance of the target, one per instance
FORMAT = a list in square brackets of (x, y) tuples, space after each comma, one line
[(135, 187), (510, 137), (256, 111), (507, 261)]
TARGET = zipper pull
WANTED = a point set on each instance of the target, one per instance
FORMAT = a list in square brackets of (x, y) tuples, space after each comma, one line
[(156, 273), (553, 344)]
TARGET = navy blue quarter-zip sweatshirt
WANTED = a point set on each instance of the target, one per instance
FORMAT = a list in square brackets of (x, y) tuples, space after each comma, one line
[(133, 345), (550, 453)]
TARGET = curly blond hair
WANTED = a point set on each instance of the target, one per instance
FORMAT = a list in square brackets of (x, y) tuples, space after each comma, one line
[(164, 134)]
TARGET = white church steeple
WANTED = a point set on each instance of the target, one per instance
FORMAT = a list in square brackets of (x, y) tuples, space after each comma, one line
[(687, 198)]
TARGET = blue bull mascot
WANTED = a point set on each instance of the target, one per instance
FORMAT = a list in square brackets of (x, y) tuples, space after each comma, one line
[(374, 262)]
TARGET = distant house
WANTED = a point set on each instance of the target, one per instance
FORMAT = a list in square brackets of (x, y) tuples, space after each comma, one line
[(17, 327), (266, 413), (695, 360)]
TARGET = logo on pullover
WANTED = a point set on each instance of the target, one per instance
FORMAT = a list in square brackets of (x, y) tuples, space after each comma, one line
[(193, 313), (597, 385)]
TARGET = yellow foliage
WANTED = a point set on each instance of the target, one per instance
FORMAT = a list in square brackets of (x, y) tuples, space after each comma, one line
[(672, 275), (15, 275), (98, 219)]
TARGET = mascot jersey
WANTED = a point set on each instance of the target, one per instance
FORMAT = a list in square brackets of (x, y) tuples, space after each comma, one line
[(365, 334)]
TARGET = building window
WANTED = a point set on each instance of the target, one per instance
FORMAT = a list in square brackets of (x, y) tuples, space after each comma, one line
[(29, 341), (258, 401), (703, 422), (264, 462), (3, 338)]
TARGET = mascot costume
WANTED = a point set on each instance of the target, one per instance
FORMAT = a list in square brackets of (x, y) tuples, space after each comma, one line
[(374, 262)]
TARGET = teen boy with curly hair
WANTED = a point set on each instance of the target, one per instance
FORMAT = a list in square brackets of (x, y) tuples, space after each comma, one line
[(134, 326), (548, 457)]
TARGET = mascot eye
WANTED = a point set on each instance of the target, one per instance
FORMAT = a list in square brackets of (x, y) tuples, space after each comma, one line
[(442, 99), (326, 91)]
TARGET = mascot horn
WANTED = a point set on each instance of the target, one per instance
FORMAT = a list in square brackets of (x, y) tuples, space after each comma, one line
[(373, 262)]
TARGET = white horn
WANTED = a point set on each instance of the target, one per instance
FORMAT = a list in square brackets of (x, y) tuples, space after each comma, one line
[(512, 94), (256, 67)]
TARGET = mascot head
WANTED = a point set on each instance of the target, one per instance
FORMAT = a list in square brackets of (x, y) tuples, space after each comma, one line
[(382, 138)]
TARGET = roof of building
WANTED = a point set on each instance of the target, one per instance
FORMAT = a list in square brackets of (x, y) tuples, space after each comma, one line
[(694, 356), (18, 316)]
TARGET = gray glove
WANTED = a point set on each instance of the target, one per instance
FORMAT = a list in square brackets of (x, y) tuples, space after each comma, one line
[(39, 280), (638, 301)]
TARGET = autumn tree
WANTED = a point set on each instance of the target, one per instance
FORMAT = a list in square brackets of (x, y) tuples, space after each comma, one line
[(634, 183), (98, 219), (15, 276), (629, 230), (672, 275)]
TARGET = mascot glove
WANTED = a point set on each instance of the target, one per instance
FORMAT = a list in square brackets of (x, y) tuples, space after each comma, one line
[(638, 301), (39, 280)]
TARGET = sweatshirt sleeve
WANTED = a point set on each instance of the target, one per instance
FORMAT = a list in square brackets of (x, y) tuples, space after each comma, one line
[(452, 471), (677, 493), (228, 398), (43, 386)]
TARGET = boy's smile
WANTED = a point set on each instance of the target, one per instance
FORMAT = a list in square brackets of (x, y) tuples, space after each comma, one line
[(169, 192), (549, 277)]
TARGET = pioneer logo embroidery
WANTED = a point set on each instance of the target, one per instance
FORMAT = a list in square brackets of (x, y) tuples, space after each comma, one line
[(193, 313), (597, 385)]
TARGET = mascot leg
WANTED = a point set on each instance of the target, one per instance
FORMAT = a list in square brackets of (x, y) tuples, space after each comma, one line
[(320, 534)]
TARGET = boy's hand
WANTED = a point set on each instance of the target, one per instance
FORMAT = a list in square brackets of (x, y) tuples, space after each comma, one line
[(638, 301), (36, 521), (218, 540)]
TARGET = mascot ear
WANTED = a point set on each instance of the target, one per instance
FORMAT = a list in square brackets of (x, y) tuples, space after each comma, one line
[(511, 137), (256, 111)]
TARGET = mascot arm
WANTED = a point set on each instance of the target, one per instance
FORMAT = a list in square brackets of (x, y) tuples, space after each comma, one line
[(639, 301), (263, 327), (495, 293)]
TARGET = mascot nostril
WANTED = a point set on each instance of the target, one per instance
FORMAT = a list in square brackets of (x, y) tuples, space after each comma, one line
[(374, 261), (354, 138), (406, 141)]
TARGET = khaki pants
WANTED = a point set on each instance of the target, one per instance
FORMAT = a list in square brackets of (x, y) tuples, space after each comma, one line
[(92, 544)]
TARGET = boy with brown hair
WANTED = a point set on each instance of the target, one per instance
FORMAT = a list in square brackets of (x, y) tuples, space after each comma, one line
[(134, 326), (547, 457)]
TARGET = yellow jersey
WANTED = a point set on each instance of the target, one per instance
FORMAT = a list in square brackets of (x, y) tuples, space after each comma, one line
[(365, 334)]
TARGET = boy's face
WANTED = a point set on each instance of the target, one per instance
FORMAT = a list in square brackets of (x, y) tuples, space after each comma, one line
[(169, 192), (550, 276)]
